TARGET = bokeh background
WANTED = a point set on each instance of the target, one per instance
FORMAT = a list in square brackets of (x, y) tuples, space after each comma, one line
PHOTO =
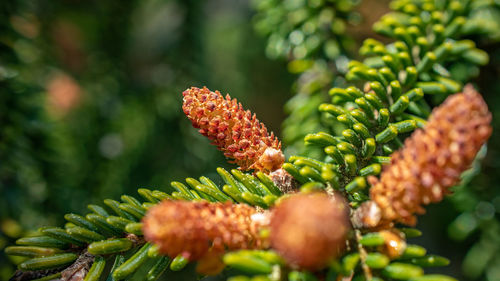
[(90, 108)]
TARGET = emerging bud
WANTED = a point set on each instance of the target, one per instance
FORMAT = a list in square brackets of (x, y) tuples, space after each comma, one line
[(308, 230), (236, 132), (394, 243), (284, 181), (432, 159), (368, 215), (195, 229)]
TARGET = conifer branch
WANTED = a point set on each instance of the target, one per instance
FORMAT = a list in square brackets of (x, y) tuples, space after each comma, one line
[(308, 232)]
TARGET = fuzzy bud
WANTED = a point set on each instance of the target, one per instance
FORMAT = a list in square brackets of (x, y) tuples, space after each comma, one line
[(394, 243), (432, 159), (236, 132), (284, 181), (195, 229), (309, 230)]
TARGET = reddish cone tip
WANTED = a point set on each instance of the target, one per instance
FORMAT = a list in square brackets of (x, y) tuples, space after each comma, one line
[(235, 131), (432, 159)]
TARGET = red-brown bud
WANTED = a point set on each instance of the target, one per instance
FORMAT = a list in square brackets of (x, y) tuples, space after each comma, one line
[(432, 159), (195, 229), (394, 243), (236, 132), (308, 230)]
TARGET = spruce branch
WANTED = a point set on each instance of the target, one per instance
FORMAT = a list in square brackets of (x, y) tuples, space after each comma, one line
[(392, 103), (308, 231), (115, 229)]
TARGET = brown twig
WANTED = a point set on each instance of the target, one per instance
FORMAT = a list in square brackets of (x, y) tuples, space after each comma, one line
[(362, 255)]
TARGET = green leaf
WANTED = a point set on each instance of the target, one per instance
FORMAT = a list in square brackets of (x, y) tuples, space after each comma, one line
[(30, 251), (158, 269), (411, 232), (84, 234), (301, 276), (377, 260), (42, 241), (62, 235), (349, 262), (110, 246), (80, 221), (372, 239), (134, 228), (413, 251), (434, 277), (431, 261), (247, 263), (96, 270), (402, 271), (132, 264), (49, 262), (178, 263)]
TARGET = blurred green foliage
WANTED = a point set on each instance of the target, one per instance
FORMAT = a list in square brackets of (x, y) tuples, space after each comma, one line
[(91, 99)]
